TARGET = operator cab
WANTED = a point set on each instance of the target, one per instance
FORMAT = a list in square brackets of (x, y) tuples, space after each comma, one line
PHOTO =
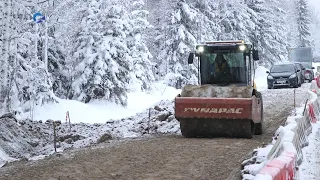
[(225, 62)]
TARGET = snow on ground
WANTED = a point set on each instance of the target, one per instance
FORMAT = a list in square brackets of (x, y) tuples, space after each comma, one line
[(102, 111), (309, 169)]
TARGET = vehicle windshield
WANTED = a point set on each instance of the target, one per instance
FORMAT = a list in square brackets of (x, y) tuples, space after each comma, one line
[(306, 64), (282, 68), (223, 68)]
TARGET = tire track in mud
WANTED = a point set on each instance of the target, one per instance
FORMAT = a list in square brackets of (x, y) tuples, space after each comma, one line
[(163, 157)]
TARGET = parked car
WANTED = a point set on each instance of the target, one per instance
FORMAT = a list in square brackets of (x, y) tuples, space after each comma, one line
[(308, 73), (283, 75), (298, 66), (302, 71)]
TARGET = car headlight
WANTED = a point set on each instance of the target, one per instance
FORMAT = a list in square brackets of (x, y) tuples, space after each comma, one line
[(293, 76), (270, 77)]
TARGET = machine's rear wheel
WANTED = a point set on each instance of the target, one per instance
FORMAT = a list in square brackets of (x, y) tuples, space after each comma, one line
[(258, 126)]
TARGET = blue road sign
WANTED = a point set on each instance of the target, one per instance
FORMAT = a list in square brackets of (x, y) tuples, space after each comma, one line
[(38, 17)]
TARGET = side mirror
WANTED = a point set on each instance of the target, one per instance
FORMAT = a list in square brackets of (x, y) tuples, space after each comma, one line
[(255, 55), (312, 67), (190, 58), (267, 72), (303, 68), (298, 70)]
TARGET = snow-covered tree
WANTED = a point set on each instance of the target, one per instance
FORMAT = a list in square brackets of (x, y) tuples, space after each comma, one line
[(270, 30), (142, 74), (314, 31), (6, 16), (303, 22), (25, 79), (101, 58), (178, 42), (207, 20)]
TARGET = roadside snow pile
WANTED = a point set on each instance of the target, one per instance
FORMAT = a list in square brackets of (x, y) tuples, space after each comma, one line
[(26, 139), (99, 111), (310, 167), (261, 78), (255, 163), (19, 139)]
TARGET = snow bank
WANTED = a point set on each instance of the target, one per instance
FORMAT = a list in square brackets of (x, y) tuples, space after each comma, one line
[(102, 111), (4, 158), (261, 78), (310, 168), (20, 139), (315, 65), (34, 139)]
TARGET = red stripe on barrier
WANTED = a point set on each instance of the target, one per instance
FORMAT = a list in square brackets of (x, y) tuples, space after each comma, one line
[(312, 114), (272, 171), (290, 162), (317, 81), (281, 166), (291, 165)]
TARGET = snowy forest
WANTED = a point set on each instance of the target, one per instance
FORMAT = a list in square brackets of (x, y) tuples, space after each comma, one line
[(95, 49)]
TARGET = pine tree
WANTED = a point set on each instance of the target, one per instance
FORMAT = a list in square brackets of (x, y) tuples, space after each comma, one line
[(234, 21), (102, 59), (207, 20), (314, 31), (142, 74), (176, 47), (62, 36), (25, 79), (269, 31), (303, 23)]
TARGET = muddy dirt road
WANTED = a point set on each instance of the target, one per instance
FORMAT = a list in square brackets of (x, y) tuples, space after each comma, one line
[(164, 157)]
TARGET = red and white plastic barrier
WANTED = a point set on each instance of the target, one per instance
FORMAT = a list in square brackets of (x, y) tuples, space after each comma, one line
[(286, 154)]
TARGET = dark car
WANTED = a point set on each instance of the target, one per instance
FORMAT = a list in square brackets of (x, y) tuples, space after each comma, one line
[(301, 72), (283, 75), (308, 72)]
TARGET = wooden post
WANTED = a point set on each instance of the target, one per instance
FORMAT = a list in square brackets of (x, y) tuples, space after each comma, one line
[(69, 121), (305, 106), (54, 136), (149, 120), (294, 101)]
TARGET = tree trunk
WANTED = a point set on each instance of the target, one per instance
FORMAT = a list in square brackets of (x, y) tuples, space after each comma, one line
[(5, 55)]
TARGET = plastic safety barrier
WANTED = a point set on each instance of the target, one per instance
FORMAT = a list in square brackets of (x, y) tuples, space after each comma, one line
[(286, 154)]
